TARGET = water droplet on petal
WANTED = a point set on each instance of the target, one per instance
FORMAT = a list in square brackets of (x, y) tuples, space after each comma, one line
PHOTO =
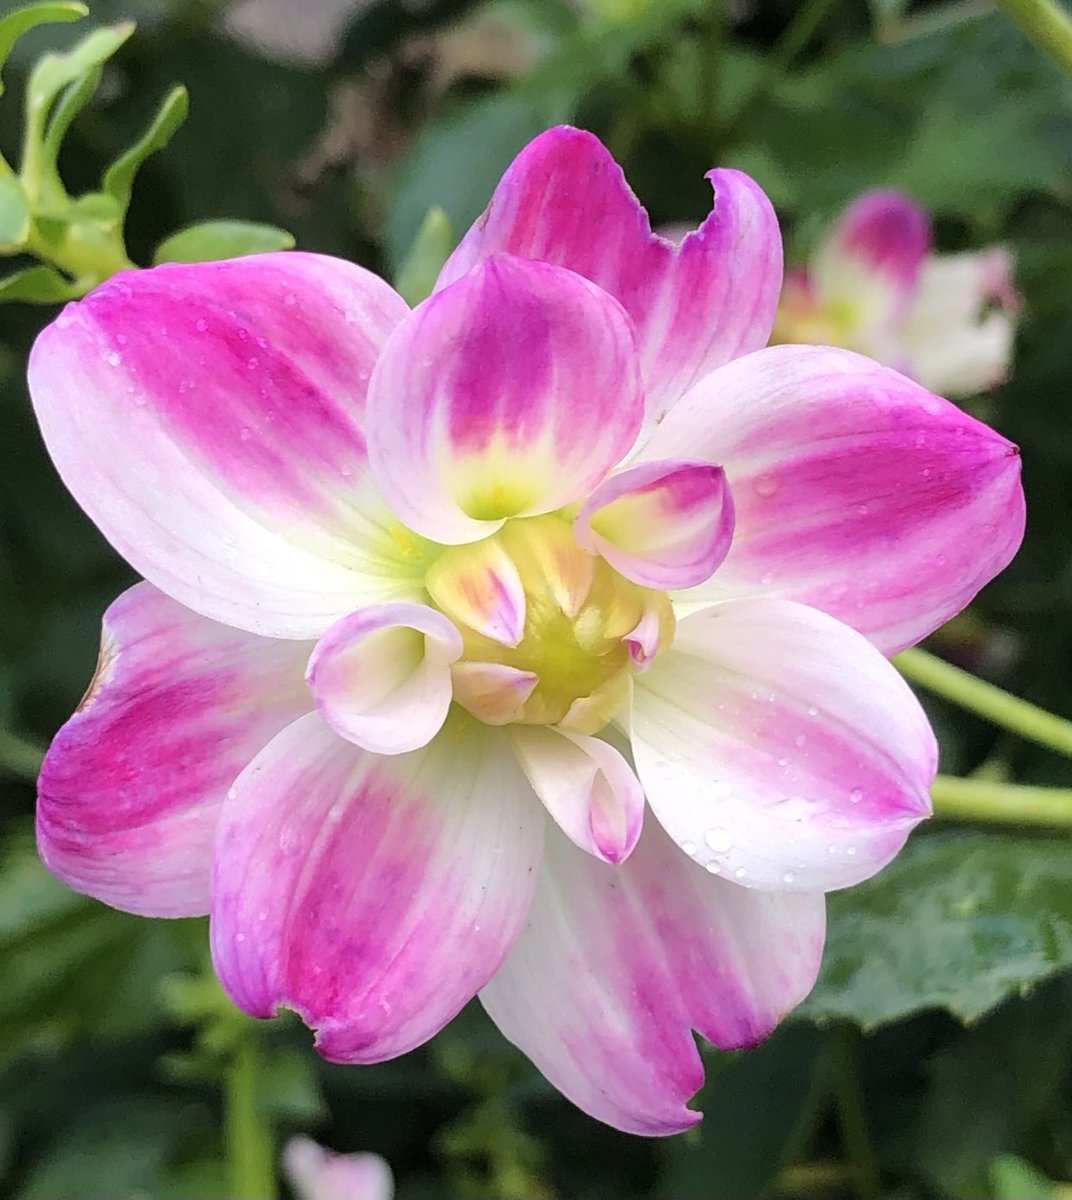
[(740, 873), (113, 358), (850, 851), (253, 363), (813, 711), (201, 325), (245, 433), (712, 868), (689, 848), (765, 485), (856, 795), (799, 740), (719, 840), (788, 877)]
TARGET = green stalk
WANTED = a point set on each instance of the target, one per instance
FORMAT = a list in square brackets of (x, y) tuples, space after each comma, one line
[(250, 1158), (1001, 803), (977, 696), (1045, 23), (849, 1106)]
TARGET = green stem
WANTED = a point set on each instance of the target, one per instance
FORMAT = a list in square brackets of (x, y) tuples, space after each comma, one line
[(1045, 23), (977, 696), (849, 1105), (250, 1159), (1002, 803), (19, 757), (798, 34)]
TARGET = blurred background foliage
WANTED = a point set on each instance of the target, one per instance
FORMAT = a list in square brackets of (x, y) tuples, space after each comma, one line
[(934, 1058)]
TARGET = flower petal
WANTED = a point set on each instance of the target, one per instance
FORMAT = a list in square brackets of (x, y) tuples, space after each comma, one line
[(953, 344), (492, 691), (695, 305), (616, 964), (778, 747), (586, 786), (855, 490), (373, 895), (661, 524), (209, 420), (131, 786), (872, 258), (317, 1174), (510, 393), (381, 676)]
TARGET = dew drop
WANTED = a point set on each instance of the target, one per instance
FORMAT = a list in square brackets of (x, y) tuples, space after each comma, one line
[(290, 299), (245, 433), (718, 840), (862, 509), (232, 793), (765, 485), (783, 763), (941, 560), (113, 358), (253, 363), (201, 325), (740, 873), (120, 339), (850, 851), (689, 848), (856, 795), (788, 877), (831, 849), (813, 711), (712, 868), (240, 937), (799, 740)]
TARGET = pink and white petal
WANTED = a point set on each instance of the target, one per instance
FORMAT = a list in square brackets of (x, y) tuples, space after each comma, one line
[(131, 786), (318, 1174), (661, 524), (779, 748), (872, 258), (696, 303), (855, 490), (587, 787), (494, 692), (373, 895), (617, 964), (510, 393), (952, 341), (209, 419), (381, 676), (479, 586)]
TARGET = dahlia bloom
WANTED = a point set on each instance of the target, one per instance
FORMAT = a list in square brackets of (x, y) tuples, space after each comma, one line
[(318, 1174), (527, 644), (873, 285)]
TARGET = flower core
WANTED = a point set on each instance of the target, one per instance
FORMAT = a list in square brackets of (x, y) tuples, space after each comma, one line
[(551, 632)]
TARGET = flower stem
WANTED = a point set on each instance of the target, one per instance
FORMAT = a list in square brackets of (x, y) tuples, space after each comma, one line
[(849, 1105), (1001, 803), (250, 1160), (1045, 23), (977, 696), (19, 757), (801, 29)]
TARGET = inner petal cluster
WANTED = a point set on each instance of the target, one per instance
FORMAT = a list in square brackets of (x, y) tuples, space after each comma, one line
[(550, 632)]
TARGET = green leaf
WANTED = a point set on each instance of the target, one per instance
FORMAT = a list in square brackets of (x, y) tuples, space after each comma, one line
[(455, 163), (38, 285), (212, 240), (119, 178), (14, 214), (54, 72), (430, 250), (16, 23), (957, 921), (1013, 1179)]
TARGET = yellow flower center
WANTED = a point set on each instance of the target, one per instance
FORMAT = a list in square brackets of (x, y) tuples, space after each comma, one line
[(551, 633)]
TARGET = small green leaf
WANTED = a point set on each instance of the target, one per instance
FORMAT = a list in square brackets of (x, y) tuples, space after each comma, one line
[(213, 240), (430, 250), (16, 23), (14, 214), (75, 97), (1014, 1179), (957, 921), (119, 178), (51, 76), (38, 285)]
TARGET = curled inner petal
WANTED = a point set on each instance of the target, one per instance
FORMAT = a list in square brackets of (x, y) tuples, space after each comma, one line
[(661, 524), (381, 676)]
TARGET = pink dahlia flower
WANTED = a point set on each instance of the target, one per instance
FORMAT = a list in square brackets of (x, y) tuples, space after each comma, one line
[(318, 1174), (528, 644), (873, 285)]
